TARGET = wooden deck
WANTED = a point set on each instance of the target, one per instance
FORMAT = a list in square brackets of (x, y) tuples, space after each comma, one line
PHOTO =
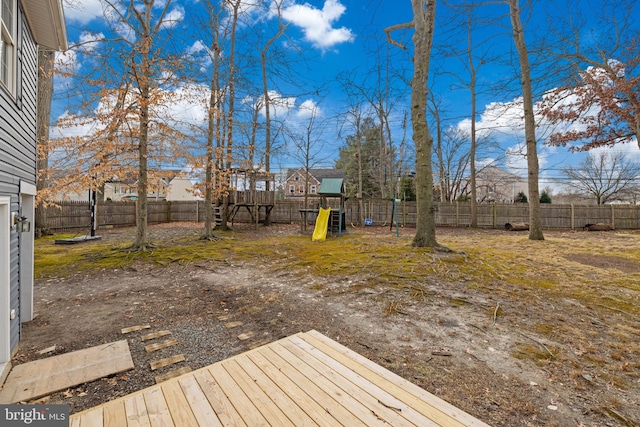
[(302, 380)]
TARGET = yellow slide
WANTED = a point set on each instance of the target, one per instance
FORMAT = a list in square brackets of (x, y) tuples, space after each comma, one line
[(322, 224)]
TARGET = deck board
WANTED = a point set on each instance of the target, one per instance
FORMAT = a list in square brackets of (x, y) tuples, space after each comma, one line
[(159, 414), (303, 380), (45, 376)]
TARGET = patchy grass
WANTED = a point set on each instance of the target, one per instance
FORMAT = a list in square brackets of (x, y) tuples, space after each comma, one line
[(504, 264)]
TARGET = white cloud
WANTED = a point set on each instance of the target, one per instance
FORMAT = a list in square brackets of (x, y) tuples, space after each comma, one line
[(308, 109), (317, 24), (88, 41), (199, 52), (125, 31), (173, 17), (82, 12), (67, 65)]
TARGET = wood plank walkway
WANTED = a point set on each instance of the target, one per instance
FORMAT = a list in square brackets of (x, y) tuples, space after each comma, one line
[(45, 376), (303, 380)]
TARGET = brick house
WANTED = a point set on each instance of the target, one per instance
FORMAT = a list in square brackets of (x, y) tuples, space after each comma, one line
[(296, 178)]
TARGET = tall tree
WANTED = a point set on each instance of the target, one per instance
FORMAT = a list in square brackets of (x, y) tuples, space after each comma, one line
[(423, 24), (234, 7), (472, 55), (359, 158), (124, 127), (267, 98), (308, 144), (142, 70), (214, 112), (533, 168), (351, 155)]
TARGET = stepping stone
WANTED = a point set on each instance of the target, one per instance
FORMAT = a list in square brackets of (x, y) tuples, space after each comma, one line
[(135, 328), (155, 335), (157, 364), (245, 336), (159, 346), (232, 325)]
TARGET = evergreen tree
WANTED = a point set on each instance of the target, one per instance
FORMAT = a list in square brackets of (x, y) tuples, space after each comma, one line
[(369, 150), (545, 197), (521, 198)]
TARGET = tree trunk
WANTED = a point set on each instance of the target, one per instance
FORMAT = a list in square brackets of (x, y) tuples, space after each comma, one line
[(230, 117), (267, 99), (360, 182), (535, 231), (423, 23), (209, 162), (45, 92), (142, 240), (472, 153)]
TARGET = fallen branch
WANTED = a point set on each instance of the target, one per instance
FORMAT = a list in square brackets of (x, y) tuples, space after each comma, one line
[(389, 406), (600, 226), (620, 311), (615, 414), (516, 226), (539, 343)]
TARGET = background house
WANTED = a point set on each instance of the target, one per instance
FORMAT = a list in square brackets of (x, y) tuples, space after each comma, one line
[(24, 25), (496, 185), (165, 185), (295, 183)]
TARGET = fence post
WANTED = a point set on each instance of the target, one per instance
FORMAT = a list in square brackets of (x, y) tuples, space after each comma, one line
[(613, 217), (495, 215), (457, 214), (573, 218)]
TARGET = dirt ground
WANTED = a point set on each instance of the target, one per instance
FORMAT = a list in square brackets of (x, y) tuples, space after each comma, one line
[(443, 340)]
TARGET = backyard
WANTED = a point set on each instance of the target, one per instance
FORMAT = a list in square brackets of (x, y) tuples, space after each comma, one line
[(513, 331)]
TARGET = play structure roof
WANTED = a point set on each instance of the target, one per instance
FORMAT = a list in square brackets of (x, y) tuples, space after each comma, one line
[(331, 187)]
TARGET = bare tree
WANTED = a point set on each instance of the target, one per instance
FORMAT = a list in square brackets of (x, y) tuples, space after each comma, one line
[(214, 114), (606, 175), (423, 23), (455, 159), (267, 99), (354, 117), (308, 144), (472, 57), (533, 168)]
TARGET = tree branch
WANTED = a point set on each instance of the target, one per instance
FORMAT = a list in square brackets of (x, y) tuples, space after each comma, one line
[(388, 30)]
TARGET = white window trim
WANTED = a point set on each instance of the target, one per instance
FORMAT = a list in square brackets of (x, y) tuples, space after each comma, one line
[(9, 40)]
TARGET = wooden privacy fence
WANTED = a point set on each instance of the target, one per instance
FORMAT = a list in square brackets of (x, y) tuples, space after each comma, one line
[(75, 215)]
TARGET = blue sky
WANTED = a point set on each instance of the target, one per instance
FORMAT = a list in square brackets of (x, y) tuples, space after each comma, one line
[(341, 37)]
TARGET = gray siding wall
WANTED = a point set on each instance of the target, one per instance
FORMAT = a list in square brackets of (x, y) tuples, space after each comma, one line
[(18, 148)]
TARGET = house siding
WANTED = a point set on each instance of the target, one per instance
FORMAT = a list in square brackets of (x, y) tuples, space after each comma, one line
[(18, 150)]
